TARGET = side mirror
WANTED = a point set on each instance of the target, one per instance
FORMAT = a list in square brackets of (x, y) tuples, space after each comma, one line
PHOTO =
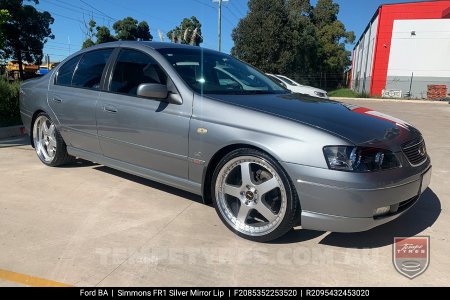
[(153, 90)]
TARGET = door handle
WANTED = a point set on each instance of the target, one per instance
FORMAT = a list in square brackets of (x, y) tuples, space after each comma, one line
[(110, 109), (57, 100)]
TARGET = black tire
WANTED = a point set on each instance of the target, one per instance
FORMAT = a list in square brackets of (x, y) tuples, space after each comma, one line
[(60, 156), (292, 207)]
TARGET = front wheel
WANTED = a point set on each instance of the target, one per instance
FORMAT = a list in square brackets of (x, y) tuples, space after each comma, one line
[(253, 196), (48, 143)]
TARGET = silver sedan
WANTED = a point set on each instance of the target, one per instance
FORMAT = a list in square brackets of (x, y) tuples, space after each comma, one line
[(207, 123)]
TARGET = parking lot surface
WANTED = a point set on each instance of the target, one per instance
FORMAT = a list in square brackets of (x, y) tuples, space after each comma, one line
[(89, 225)]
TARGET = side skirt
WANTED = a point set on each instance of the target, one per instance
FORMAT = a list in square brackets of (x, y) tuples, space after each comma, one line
[(170, 180)]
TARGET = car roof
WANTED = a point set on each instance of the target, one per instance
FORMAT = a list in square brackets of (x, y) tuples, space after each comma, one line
[(153, 45)]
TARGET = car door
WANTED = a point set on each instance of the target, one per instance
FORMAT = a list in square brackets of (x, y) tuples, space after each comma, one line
[(73, 98), (143, 132)]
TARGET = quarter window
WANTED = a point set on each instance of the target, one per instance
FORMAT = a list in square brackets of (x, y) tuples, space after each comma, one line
[(89, 72), (65, 73), (134, 68)]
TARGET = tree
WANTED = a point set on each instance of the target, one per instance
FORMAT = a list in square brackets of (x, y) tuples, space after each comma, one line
[(143, 32), (128, 29), (25, 33), (262, 37), (4, 17), (90, 34), (332, 36), (303, 41), (103, 35), (188, 32), (294, 38)]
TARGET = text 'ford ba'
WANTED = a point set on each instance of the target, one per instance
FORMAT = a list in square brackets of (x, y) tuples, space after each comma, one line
[(205, 122)]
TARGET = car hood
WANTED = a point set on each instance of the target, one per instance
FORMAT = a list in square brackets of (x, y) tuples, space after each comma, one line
[(358, 125)]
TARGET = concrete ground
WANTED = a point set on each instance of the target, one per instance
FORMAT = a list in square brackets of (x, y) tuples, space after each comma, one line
[(89, 225)]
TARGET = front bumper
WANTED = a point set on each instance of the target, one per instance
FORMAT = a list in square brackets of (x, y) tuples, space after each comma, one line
[(346, 202)]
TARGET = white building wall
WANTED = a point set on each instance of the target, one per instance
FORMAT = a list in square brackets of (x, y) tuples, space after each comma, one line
[(363, 62), (421, 47)]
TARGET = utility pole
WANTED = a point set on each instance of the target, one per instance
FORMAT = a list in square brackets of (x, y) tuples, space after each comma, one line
[(219, 35)]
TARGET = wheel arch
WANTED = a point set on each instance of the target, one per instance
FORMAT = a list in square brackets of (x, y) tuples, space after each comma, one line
[(33, 118)]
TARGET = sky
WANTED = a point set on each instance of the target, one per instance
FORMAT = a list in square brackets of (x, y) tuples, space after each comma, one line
[(163, 15)]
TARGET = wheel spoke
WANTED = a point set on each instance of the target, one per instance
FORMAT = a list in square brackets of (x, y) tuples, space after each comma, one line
[(40, 132), (51, 130), (267, 186), (44, 127), (243, 213), (232, 190), (50, 150), (52, 142), (265, 211), (245, 173)]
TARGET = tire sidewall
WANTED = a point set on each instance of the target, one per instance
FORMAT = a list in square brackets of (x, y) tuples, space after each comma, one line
[(60, 145)]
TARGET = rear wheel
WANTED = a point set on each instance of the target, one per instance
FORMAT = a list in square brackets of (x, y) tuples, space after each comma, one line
[(48, 143), (253, 196)]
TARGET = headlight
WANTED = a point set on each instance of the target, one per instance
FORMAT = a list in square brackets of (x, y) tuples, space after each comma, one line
[(359, 159)]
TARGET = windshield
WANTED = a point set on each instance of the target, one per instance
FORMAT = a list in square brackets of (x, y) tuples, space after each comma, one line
[(287, 80), (210, 72)]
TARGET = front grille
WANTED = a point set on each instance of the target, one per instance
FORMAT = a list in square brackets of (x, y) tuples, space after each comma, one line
[(415, 151)]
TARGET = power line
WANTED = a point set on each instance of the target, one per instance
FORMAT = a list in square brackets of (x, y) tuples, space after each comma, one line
[(139, 12), (73, 8), (232, 13), (244, 3), (237, 8), (62, 16), (205, 4), (59, 43), (98, 10)]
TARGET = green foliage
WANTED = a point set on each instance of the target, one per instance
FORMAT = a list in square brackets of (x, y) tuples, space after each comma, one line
[(4, 17), (88, 43), (188, 32), (9, 103), (143, 32), (331, 37), (103, 35), (25, 32), (127, 29), (261, 37), (345, 93), (293, 38)]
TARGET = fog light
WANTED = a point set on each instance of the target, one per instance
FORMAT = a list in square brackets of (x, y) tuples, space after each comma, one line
[(381, 211)]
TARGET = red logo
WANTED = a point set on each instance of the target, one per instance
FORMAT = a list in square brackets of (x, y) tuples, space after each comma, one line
[(411, 256)]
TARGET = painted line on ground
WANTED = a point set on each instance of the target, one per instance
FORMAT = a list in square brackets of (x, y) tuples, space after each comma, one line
[(30, 280)]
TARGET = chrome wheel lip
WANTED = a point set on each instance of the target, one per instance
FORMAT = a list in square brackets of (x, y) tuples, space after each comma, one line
[(44, 137), (226, 212)]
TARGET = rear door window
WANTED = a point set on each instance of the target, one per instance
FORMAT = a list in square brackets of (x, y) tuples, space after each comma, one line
[(88, 73), (65, 73)]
